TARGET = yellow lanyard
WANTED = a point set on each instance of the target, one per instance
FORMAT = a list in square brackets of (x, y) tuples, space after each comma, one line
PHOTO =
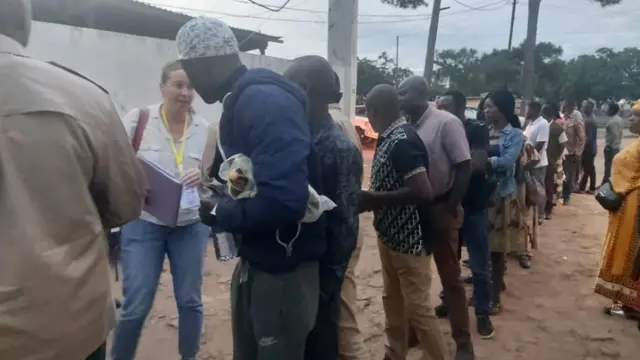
[(177, 154)]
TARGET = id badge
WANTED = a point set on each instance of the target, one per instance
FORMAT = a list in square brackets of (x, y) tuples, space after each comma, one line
[(190, 198)]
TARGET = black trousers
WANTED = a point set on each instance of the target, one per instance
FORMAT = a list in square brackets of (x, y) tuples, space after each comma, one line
[(323, 341), (588, 171), (99, 354)]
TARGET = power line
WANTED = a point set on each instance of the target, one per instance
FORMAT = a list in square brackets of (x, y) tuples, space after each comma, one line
[(481, 7), (189, 9), (295, 8), (268, 7)]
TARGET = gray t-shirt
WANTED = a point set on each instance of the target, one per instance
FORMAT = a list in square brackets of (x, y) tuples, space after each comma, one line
[(615, 127)]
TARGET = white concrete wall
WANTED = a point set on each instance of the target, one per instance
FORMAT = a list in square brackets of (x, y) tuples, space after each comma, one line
[(127, 66)]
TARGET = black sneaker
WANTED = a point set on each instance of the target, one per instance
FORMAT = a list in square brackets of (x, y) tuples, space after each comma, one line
[(485, 327), (465, 352), (442, 311), (496, 309)]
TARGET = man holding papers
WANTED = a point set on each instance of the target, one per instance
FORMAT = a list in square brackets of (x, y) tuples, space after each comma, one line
[(275, 287)]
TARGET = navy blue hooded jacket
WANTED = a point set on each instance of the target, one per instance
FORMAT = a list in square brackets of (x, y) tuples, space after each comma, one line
[(265, 118)]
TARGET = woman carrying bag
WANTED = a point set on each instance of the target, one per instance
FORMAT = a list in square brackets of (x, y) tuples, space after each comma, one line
[(618, 276)]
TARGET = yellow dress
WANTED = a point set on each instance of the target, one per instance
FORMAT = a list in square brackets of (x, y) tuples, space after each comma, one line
[(621, 241)]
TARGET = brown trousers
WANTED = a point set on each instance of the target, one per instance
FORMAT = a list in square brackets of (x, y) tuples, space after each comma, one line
[(406, 299), (445, 254), (351, 340)]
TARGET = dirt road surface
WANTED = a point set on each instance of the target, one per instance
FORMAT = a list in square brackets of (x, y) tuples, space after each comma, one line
[(550, 310)]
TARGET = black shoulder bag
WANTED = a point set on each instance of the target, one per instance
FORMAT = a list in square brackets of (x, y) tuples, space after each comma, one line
[(608, 198)]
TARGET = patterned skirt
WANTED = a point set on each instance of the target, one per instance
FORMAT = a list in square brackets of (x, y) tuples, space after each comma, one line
[(558, 179), (506, 224)]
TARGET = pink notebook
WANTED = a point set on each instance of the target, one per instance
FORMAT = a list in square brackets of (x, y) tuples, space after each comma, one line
[(164, 193)]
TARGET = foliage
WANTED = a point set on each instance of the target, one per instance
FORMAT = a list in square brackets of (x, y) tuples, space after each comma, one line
[(608, 2), (382, 70), (605, 74), (408, 4)]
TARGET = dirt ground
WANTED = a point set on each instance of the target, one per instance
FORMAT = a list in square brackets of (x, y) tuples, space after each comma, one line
[(550, 311)]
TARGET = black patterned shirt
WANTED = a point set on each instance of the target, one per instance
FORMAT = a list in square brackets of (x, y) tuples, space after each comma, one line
[(341, 165), (400, 154)]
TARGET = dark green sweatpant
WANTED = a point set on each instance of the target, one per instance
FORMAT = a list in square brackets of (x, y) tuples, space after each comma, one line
[(272, 314)]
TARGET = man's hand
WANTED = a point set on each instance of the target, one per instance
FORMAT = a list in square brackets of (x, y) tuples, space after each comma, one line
[(191, 178), (365, 201), (207, 218)]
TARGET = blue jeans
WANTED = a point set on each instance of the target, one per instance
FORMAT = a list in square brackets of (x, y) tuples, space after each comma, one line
[(475, 232), (144, 246)]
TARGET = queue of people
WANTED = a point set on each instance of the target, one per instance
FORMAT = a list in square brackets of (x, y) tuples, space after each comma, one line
[(293, 289)]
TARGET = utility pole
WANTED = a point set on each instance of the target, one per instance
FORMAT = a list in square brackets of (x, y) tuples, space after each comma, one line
[(342, 50), (513, 20), (397, 55), (431, 42)]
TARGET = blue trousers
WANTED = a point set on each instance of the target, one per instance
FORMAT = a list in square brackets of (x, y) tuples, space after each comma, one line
[(475, 232), (144, 247)]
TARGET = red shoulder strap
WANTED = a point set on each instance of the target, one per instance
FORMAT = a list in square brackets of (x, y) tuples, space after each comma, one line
[(143, 119)]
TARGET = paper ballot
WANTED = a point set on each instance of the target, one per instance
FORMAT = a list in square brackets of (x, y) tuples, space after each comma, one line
[(165, 194)]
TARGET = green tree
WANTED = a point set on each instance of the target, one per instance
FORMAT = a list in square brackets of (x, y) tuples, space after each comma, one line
[(608, 2), (461, 68), (406, 4), (382, 70)]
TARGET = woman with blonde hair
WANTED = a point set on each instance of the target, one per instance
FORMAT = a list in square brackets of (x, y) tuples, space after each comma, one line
[(171, 136), (618, 276)]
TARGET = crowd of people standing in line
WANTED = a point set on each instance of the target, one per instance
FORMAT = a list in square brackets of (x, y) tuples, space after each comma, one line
[(293, 290)]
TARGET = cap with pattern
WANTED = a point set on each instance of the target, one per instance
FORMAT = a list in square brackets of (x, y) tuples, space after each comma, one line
[(205, 37)]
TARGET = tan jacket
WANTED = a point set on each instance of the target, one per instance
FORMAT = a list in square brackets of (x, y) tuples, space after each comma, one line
[(67, 171), (345, 125)]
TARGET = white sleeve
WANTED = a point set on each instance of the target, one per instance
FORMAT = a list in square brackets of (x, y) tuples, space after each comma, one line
[(130, 122), (563, 138), (543, 132)]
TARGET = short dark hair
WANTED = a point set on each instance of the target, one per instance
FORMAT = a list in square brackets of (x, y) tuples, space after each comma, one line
[(383, 99), (535, 106), (614, 108), (168, 68), (550, 110), (459, 99)]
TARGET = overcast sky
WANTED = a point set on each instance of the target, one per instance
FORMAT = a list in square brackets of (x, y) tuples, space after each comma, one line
[(579, 26)]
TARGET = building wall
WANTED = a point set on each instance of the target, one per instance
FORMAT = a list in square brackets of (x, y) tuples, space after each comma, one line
[(127, 66)]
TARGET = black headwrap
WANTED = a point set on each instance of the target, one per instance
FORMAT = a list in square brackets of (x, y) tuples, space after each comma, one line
[(506, 104)]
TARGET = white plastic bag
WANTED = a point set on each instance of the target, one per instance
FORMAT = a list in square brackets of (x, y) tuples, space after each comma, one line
[(238, 172), (316, 205)]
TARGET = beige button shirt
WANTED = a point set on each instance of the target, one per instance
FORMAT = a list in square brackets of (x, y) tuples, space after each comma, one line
[(67, 172)]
